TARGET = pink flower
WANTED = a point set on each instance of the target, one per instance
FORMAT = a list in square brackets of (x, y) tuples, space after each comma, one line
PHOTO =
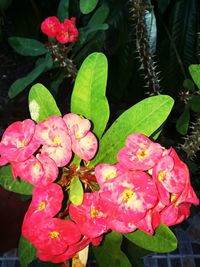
[(175, 213), (51, 26), (18, 142), (150, 222), (179, 207), (46, 203), (46, 200), (120, 226), (107, 173), (129, 197), (52, 235), (89, 216), (70, 250), (171, 175), (140, 153), (52, 134), (84, 142), (68, 32), (3, 160), (39, 171)]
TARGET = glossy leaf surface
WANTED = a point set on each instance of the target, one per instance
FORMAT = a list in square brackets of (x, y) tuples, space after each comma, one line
[(41, 103), (88, 96), (162, 241), (145, 117), (18, 186)]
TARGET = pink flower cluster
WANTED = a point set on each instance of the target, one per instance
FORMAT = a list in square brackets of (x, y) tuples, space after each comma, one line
[(35, 151), (148, 185), (65, 32), (56, 240)]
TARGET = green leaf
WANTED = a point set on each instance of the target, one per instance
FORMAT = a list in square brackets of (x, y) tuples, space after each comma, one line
[(18, 186), (145, 117), (27, 252), (63, 10), (100, 16), (87, 6), (88, 96), (194, 103), (20, 84), (109, 253), (76, 191), (86, 33), (41, 103), (27, 47), (162, 241), (194, 70), (188, 85), (134, 253), (182, 123)]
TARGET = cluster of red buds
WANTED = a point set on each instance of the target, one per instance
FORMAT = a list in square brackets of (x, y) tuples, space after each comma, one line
[(65, 32)]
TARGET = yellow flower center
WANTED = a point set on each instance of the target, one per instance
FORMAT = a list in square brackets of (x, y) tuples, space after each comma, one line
[(161, 176), (54, 234), (127, 194), (176, 204), (56, 140), (142, 153), (21, 143), (77, 135), (111, 175), (41, 206), (36, 169), (173, 197), (94, 213)]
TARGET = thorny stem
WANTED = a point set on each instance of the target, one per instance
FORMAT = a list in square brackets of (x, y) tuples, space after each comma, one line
[(192, 141), (145, 56)]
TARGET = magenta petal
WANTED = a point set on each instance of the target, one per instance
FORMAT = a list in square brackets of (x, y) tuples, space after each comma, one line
[(77, 126), (52, 133), (54, 235), (130, 196), (89, 216), (140, 153), (68, 254), (172, 175), (18, 142), (61, 155), (51, 26), (33, 171), (183, 212), (85, 147), (105, 173), (46, 200), (149, 223), (169, 215), (120, 226), (30, 170), (3, 161)]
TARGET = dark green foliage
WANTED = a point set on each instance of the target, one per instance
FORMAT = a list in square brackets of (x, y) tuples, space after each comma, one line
[(177, 40)]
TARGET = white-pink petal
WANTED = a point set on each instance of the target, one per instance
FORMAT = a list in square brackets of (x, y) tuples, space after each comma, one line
[(85, 147), (77, 126)]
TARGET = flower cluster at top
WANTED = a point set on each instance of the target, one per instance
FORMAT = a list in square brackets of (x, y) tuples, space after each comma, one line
[(148, 185), (65, 32)]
